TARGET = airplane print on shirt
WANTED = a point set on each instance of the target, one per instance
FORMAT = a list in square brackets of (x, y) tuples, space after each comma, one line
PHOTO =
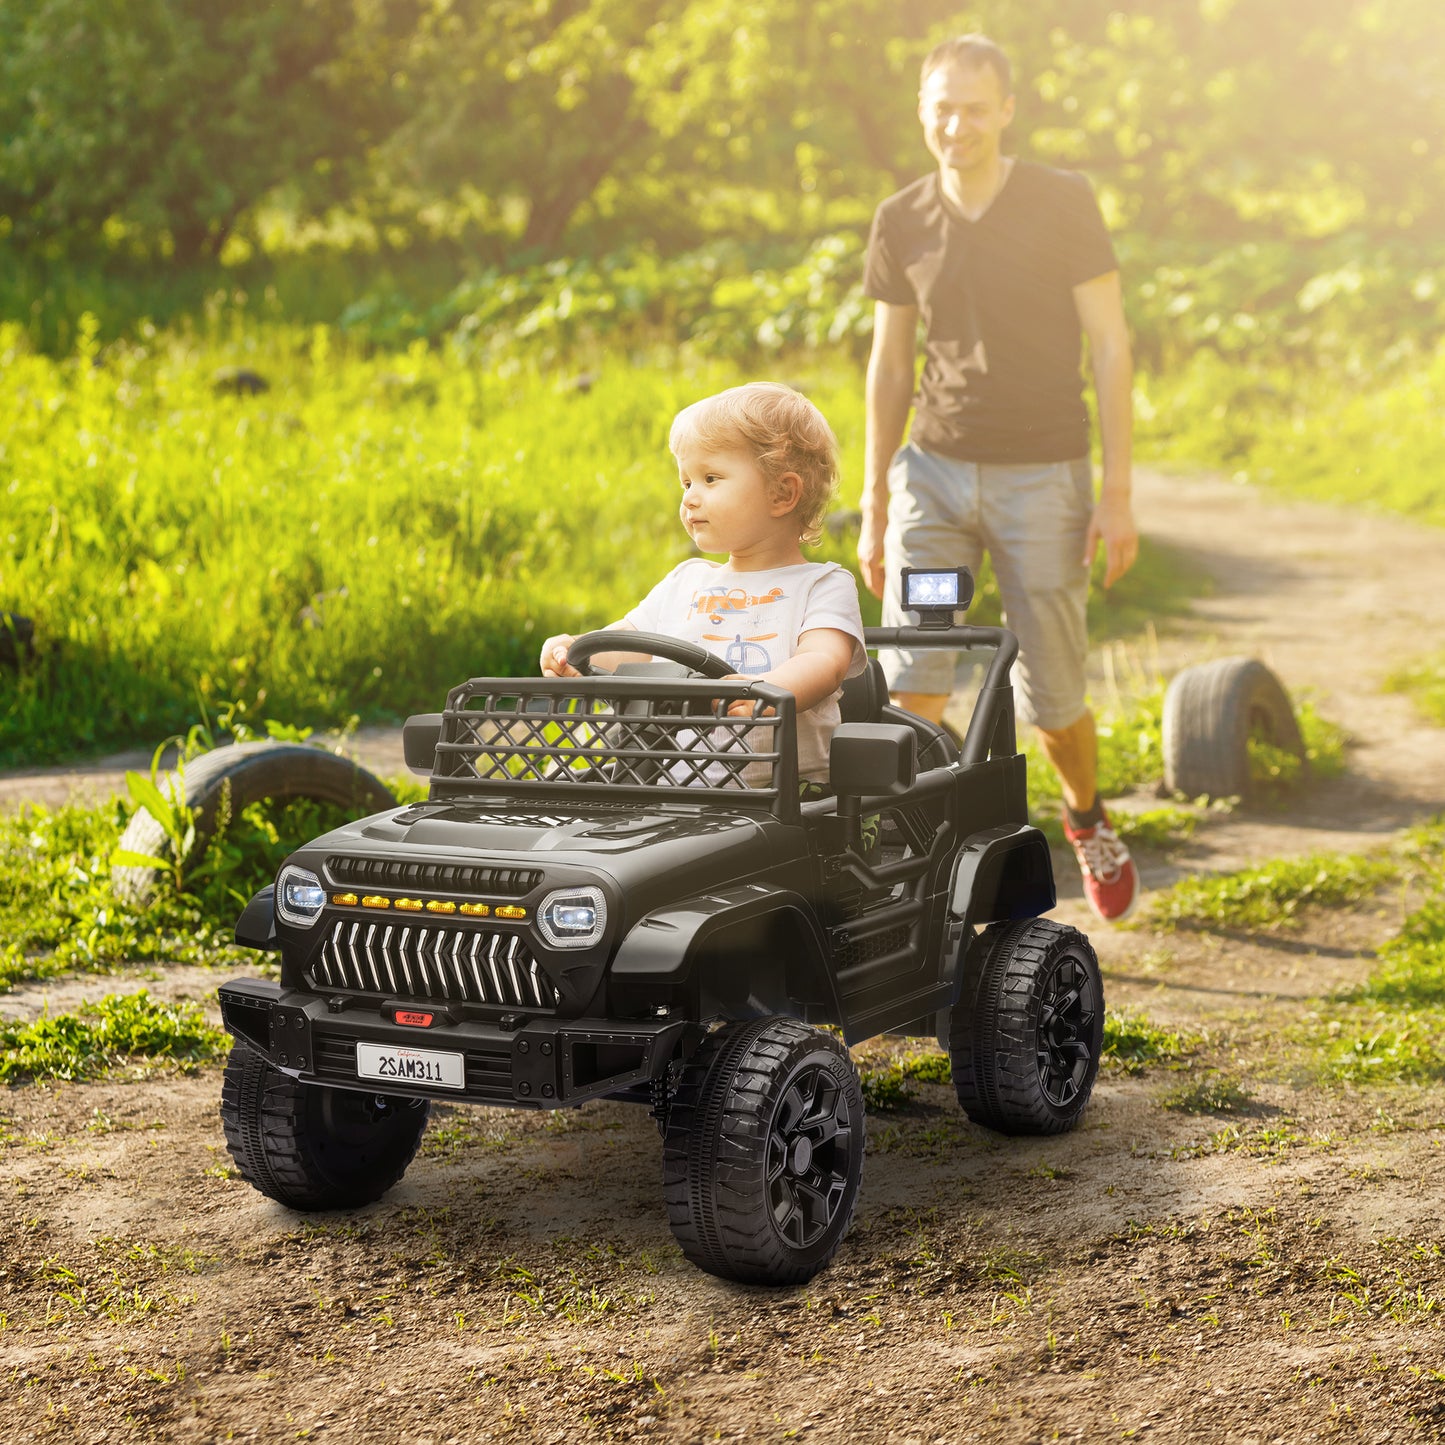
[(746, 655), (745, 651)]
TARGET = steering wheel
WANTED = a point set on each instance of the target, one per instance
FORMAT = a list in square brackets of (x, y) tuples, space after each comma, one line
[(673, 649)]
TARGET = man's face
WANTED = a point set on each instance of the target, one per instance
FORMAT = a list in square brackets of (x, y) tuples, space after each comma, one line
[(964, 115)]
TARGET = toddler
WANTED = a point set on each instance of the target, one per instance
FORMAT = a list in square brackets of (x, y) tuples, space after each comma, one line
[(757, 465)]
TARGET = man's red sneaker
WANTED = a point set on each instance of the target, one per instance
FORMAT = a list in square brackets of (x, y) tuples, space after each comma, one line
[(1111, 881)]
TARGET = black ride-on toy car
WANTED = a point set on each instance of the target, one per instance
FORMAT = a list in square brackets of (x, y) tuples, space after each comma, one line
[(595, 902)]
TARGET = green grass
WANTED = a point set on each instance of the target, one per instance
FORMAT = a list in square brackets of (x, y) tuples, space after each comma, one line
[(1392, 1027), (1214, 1093), (1157, 828), (372, 529), (105, 1035), (1424, 682), (1367, 438), (60, 914), (1132, 1043), (1270, 895)]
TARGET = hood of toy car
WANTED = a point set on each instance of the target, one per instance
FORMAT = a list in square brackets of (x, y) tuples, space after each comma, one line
[(638, 847), (480, 827)]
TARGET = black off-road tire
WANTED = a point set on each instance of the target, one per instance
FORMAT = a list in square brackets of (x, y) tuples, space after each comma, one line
[(763, 1154), (249, 772), (311, 1147), (1210, 714), (1027, 1033)]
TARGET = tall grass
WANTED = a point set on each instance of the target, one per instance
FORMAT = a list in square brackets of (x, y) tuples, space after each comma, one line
[(354, 539), (1370, 438), (363, 534)]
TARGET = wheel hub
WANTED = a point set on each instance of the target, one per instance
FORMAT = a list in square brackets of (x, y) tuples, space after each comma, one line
[(1067, 1010), (809, 1151)]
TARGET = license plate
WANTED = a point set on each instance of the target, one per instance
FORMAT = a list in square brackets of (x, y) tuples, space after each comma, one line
[(392, 1064)]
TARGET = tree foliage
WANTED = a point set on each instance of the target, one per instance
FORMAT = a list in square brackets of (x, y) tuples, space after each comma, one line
[(562, 126), (166, 121)]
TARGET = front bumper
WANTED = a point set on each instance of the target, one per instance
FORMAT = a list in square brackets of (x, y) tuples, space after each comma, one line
[(543, 1063)]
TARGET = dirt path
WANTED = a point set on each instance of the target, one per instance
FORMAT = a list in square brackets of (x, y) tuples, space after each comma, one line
[(1268, 1273)]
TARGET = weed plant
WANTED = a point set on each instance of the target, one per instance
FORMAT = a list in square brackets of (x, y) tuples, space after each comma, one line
[(1270, 895), (1214, 1093), (1392, 1028), (101, 1036), (1132, 1043), (60, 913)]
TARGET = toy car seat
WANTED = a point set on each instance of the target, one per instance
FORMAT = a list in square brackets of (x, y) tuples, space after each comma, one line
[(865, 700)]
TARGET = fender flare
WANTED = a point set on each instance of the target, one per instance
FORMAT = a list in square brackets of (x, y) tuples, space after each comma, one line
[(256, 927), (1000, 875), (675, 946)]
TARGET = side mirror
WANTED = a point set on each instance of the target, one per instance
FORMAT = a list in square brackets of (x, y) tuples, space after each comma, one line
[(419, 738), (872, 759)]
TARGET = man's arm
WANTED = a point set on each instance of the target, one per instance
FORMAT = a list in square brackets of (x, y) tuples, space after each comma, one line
[(888, 394), (1100, 305)]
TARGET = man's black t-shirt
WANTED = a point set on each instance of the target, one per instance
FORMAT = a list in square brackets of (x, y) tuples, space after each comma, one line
[(1001, 375)]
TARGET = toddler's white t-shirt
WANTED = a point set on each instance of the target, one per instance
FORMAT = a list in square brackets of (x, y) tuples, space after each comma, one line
[(753, 620)]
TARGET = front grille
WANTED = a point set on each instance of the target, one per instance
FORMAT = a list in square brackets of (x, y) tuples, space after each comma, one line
[(462, 964), (437, 877)]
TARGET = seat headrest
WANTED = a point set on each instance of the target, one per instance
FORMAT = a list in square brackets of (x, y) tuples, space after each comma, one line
[(865, 696)]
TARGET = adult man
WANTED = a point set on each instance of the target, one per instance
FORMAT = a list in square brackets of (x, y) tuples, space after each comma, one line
[(1008, 264)]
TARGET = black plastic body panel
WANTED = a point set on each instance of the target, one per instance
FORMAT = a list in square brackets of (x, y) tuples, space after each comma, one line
[(537, 1063)]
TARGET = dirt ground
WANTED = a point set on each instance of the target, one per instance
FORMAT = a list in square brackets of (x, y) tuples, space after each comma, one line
[(1270, 1273)]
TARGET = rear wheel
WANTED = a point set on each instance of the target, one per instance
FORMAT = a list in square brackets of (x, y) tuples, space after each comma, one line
[(311, 1147), (229, 779), (1027, 1033), (1217, 717), (763, 1152)]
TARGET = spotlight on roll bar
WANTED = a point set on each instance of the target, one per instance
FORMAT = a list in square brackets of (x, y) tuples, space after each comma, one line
[(936, 593)]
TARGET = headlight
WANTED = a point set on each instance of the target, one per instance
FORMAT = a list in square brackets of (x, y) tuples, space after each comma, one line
[(299, 896), (573, 917)]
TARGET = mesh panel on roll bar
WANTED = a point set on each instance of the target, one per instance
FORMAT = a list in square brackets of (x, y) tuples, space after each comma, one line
[(397, 960), (634, 736)]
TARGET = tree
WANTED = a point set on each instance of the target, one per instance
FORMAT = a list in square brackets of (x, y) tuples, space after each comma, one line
[(173, 117)]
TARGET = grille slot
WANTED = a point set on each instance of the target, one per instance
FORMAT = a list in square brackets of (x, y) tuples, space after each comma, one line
[(438, 877), (455, 964), (870, 946)]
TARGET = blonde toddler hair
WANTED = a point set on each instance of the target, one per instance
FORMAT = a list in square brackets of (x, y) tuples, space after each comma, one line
[(782, 430)]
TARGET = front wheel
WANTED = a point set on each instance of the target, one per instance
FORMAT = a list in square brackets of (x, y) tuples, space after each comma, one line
[(763, 1153), (1027, 1032), (311, 1147)]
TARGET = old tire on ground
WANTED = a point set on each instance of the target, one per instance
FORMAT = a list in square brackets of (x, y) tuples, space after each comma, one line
[(1027, 1032), (312, 1147), (249, 772), (1211, 712), (763, 1153)]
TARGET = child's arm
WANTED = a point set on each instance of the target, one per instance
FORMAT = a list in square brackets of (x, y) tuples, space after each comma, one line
[(815, 671), (554, 653)]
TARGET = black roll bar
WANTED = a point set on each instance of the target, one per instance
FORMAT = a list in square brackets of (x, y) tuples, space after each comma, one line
[(991, 729)]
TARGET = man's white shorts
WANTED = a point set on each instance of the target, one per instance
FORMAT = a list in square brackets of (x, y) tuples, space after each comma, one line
[(1031, 518)]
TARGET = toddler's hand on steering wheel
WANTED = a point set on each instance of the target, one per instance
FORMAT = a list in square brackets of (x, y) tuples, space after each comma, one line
[(554, 656)]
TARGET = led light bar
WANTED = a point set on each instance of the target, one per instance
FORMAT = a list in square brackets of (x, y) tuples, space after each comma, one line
[(936, 593)]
